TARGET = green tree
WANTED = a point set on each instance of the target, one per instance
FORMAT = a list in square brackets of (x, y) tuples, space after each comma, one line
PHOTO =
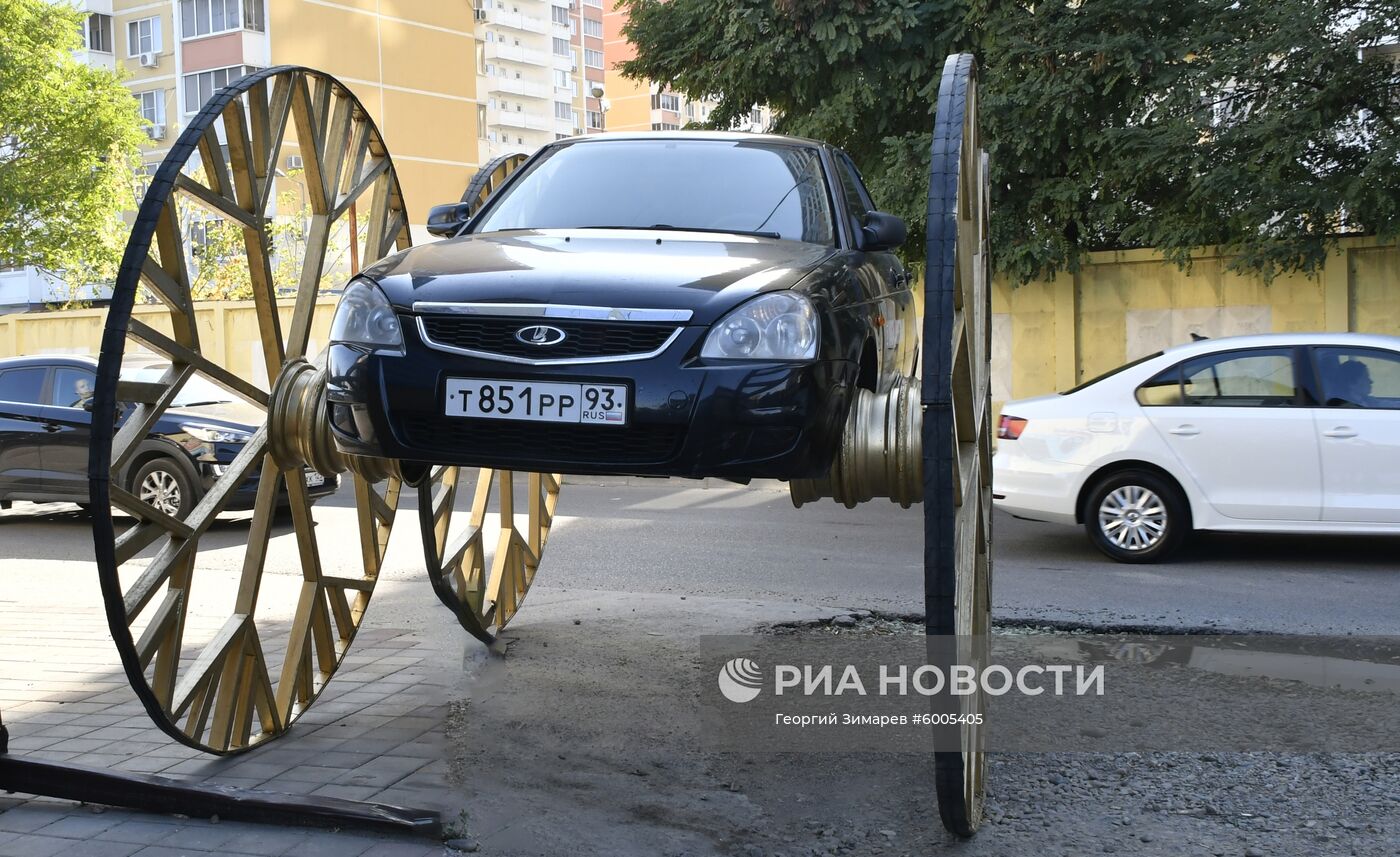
[(68, 136), (1265, 127)]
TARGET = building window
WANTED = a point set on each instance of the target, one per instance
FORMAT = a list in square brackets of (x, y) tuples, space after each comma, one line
[(593, 59), (756, 117), (595, 119), (596, 4), (666, 102), (562, 79), (481, 121), (665, 126), (560, 15), (564, 110), (97, 33), (206, 17), (561, 47), (201, 86), (593, 28), (143, 37), (152, 105)]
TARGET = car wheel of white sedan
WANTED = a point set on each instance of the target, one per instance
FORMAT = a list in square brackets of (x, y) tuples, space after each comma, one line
[(1136, 516)]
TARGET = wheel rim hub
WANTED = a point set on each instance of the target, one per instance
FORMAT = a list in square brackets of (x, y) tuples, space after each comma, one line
[(1133, 518), (161, 491)]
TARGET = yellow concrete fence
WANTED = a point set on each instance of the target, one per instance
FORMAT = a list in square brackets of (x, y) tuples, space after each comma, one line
[(1050, 335), (1046, 336), (228, 332)]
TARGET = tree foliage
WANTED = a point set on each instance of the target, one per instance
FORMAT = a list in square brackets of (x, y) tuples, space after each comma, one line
[(1265, 127), (68, 134)]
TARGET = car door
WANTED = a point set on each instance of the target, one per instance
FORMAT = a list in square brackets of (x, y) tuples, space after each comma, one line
[(1358, 431), (22, 433), (1235, 421), (68, 423), (887, 278)]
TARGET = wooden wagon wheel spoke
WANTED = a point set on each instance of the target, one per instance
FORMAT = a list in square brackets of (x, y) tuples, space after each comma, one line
[(226, 653), (483, 568), (957, 424)]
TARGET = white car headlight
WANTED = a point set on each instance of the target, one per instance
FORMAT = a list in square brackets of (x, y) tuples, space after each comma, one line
[(214, 434), (775, 326), (365, 317)]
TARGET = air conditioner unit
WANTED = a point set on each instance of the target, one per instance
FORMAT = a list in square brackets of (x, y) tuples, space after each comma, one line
[(149, 60), (155, 132), (294, 162)]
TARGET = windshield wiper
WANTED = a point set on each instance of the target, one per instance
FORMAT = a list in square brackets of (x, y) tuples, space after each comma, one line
[(198, 404), (666, 227)]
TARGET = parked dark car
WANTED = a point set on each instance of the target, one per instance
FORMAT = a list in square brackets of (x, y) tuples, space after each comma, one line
[(680, 304), (44, 437)]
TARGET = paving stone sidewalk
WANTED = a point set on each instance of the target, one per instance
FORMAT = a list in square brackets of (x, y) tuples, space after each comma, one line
[(377, 734)]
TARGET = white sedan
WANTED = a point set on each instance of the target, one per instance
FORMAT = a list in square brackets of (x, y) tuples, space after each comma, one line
[(1286, 433)]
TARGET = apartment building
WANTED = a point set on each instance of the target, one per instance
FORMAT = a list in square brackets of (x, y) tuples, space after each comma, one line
[(589, 57), (640, 106), (411, 62), (527, 74)]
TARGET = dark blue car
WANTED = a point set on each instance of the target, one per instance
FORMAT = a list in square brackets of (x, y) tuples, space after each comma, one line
[(44, 437), (678, 304)]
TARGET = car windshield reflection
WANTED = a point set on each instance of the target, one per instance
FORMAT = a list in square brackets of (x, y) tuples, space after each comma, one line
[(762, 189)]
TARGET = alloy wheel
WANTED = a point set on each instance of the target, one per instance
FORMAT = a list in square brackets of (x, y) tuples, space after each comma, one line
[(161, 491), (1133, 518)]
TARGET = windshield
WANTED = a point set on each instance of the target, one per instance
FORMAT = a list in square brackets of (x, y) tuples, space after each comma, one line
[(712, 185), (1110, 373), (196, 390)]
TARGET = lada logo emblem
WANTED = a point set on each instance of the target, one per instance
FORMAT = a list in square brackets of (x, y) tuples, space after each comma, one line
[(540, 334)]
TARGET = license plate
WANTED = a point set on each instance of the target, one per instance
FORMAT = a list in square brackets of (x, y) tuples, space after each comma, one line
[(314, 479), (551, 402)]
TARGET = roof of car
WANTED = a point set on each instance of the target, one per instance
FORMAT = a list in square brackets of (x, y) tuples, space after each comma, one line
[(1267, 340), (723, 136), (48, 360)]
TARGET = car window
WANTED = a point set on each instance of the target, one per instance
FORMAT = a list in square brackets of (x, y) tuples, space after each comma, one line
[(717, 185), (1359, 377), (857, 201), (1257, 378), (1240, 379), (22, 385), (1110, 373), (72, 386)]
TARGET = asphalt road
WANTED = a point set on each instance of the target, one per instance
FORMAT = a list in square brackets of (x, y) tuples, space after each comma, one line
[(676, 537), (583, 739)]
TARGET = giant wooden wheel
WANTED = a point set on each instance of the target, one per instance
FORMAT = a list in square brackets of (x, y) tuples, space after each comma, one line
[(228, 637), (957, 424), (222, 653)]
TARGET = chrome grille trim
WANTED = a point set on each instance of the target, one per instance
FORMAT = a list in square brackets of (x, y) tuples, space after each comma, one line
[(524, 361), (570, 311)]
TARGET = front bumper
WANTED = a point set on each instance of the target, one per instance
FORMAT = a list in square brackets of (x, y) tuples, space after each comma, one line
[(686, 417), (245, 495)]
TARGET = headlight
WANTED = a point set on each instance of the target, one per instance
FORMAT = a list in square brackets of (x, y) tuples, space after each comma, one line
[(776, 326), (364, 317), (215, 434)]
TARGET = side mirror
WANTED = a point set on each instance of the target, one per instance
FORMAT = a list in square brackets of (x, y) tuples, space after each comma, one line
[(445, 221), (880, 231)]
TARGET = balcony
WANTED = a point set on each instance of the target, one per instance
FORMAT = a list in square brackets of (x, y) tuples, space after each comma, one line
[(516, 86), (521, 119), (515, 53), (517, 21)]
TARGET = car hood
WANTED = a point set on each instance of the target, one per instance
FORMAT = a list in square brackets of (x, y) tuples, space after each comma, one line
[(233, 415), (598, 267)]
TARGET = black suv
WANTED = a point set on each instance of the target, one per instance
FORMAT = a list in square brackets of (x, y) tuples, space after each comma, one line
[(44, 437)]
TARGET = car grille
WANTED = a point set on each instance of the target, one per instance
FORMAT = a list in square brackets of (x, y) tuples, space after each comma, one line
[(552, 442), (582, 339)]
